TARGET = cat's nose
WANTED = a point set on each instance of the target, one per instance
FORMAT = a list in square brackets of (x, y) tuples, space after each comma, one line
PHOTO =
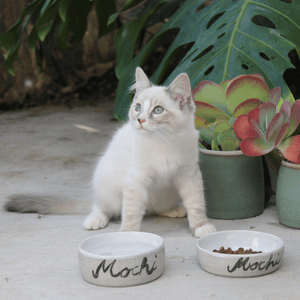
[(141, 121)]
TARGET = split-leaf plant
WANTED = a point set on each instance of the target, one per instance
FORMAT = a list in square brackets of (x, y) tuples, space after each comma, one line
[(215, 42), (225, 39)]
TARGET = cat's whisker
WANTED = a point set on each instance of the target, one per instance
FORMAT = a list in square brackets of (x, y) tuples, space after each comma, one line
[(165, 132), (164, 140), (159, 137), (161, 133)]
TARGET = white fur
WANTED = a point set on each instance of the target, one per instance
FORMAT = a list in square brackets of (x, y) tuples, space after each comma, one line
[(152, 161)]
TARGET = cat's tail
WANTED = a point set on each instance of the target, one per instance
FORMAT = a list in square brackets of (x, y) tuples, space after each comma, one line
[(26, 203)]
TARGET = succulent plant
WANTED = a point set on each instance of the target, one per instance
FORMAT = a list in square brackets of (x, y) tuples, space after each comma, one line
[(219, 106), (219, 136), (271, 127)]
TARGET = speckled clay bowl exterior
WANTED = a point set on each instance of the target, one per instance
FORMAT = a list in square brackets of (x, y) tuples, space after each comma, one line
[(244, 265), (122, 258)]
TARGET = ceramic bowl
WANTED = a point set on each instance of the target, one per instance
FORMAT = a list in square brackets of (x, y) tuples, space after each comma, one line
[(240, 265), (122, 258)]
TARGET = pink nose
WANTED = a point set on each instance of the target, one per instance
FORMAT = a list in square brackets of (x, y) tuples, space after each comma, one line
[(141, 121)]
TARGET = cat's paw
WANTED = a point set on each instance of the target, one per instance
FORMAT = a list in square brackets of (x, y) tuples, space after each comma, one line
[(94, 222), (204, 230), (177, 212)]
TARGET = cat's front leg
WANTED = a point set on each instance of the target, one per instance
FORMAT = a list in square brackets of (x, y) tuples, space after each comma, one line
[(190, 186), (134, 199)]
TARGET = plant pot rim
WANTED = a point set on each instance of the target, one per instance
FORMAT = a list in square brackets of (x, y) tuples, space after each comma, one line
[(222, 153), (290, 165)]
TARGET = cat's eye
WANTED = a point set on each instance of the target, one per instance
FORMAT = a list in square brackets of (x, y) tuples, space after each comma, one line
[(138, 107), (158, 110)]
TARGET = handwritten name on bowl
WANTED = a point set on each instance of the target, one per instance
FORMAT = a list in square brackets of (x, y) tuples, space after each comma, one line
[(244, 264), (143, 267)]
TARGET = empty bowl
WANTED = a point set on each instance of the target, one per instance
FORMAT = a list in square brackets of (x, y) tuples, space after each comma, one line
[(122, 258), (240, 265)]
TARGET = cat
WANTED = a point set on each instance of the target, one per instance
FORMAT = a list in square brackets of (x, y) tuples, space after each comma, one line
[(150, 165)]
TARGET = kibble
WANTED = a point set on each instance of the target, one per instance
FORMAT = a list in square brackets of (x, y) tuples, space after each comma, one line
[(239, 251)]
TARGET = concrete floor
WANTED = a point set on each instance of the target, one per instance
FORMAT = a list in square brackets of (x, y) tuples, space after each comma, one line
[(43, 150)]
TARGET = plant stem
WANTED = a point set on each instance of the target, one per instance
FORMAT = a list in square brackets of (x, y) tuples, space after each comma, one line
[(280, 154)]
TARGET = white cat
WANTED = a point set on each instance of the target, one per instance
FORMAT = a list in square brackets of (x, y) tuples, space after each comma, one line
[(150, 164)]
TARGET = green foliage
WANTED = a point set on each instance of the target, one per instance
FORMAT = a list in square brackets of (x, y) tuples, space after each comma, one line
[(225, 39), (69, 15), (127, 5), (217, 42), (10, 40)]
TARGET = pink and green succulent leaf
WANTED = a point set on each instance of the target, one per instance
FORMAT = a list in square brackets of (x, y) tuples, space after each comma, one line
[(290, 149), (257, 129), (211, 93), (254, 114), (282, 133), (254, 74), (201, 123), (226, 134), (246, 106), (296, 132), (232, 120), (259, 75), (214, 145), (274, 127), (201, 146), (212, 127), (294, 118), (244, 87), (208, 112), (227, 140), (256, 146), (275, 95), (225, 84), (242, 128), (221, 126), (285, 109), (222, 119), (266, 112), (228, 144), (218, 129), (206, 135)]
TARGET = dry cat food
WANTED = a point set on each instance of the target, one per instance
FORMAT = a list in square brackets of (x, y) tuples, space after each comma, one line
[(239, 251)]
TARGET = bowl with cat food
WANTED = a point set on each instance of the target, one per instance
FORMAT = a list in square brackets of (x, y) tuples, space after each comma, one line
[(122, 259), (240, 253)]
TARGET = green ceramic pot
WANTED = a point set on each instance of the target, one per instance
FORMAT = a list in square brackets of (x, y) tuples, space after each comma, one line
[(233, 184), (288, 194)]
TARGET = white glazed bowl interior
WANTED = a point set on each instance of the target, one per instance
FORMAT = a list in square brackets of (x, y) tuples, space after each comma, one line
[(240, 265), (122, 258)]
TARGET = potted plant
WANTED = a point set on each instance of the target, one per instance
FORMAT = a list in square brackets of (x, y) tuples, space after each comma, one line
[(272, 128), (234, 183)]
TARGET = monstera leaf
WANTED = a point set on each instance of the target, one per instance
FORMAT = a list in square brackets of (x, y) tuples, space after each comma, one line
[(225, 39)]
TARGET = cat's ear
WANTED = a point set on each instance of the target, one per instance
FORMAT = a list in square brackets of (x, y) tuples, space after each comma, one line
[(180, 89), (141, 81)]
